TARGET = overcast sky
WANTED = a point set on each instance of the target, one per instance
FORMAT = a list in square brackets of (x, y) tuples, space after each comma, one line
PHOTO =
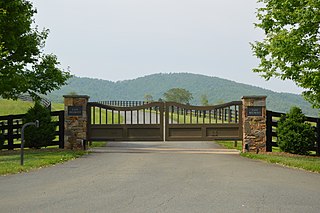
[(125, 39)]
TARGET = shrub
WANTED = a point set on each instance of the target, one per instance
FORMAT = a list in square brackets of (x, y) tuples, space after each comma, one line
[(294, 135), (42, 136)]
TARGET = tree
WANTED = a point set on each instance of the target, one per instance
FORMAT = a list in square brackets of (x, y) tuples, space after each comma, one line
[(148, 97), (24, 68), (204, 100), (291, 48), (179, 95), (294, 135), (42, 136)]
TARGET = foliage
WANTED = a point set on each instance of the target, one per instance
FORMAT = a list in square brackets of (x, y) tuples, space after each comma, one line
[(204, 100), (291, 46), (148, 98), (24, 68), (45, 133), (179, 95), (294, 135)]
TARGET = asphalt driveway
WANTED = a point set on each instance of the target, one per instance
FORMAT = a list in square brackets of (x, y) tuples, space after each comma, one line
[(161, 177)]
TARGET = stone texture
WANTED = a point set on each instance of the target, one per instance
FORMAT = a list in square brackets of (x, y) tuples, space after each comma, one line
[(75, 126), (254, 127)]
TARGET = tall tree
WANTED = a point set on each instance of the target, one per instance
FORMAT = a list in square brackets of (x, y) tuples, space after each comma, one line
[(204, 100), (24, 68), (291, 47), (179, 95)]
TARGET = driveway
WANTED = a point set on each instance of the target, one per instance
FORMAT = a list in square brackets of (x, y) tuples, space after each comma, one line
[(161, 177)]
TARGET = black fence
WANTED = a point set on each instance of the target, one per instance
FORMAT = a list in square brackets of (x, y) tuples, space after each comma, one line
[(10, 127), (124, 103), (272, 124)]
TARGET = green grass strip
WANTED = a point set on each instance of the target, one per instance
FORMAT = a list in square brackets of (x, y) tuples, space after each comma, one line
[(33, 159), (302, 162)]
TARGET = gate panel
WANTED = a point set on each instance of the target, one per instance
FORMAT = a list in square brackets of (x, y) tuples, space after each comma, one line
[(202, 123), (139, 123)]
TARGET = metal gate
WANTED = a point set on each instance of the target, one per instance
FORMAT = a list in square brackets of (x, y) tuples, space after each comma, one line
[(203, 123), (138, 123), (178, 122)]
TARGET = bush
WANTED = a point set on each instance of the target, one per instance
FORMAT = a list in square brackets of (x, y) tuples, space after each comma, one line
[(42, 136), (294, 135)]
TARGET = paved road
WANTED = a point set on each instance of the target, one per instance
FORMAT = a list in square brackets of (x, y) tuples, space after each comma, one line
[(161, 177)]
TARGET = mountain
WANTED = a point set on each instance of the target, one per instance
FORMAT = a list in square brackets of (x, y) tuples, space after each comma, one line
[(217, 90)]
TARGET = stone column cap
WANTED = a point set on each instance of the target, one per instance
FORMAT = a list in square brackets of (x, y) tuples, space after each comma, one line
[(254, 97), (76, 96)]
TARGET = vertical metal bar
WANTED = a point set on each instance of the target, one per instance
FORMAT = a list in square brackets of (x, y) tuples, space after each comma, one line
[(144, 116), (229, 115), (119, 117), (203, 116), (210, 116), (112, 114), (197, 112), (94, 115), (184, 116), (137, 116), (178, 114), (172, 111), (150, 115), (100, 118), (156, 108), (61, 130), (190, 116), (106, 116), (125, 117), (131, 118)]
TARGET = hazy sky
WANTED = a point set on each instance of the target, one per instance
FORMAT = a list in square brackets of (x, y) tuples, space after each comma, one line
[(125, 39)]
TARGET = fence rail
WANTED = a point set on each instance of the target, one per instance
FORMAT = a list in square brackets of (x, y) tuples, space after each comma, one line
[(124, 103), (272, 124), (10, 127)]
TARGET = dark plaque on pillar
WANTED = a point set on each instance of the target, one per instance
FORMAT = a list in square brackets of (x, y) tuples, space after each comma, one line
[(254, 111), (74, 110)]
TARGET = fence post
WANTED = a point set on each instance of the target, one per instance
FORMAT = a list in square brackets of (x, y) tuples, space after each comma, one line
[(318, 137), (269, 132), (61, 130), (254, 123), (10, 133)]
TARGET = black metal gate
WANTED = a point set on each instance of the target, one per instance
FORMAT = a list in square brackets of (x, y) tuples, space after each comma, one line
[(138, 123), (178, 122), (203, 123)]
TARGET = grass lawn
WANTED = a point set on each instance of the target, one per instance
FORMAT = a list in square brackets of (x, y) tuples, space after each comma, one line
[(10, 160), (10, 107), (309, 163)]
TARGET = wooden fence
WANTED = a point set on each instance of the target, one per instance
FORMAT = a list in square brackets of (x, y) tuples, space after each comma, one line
[(272, 124), (10, 127)]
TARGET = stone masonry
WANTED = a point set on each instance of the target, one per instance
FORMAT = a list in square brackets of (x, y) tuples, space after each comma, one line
[(75, 107), (254, 123)]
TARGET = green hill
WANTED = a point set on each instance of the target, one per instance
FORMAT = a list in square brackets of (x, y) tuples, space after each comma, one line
[(216, 89)]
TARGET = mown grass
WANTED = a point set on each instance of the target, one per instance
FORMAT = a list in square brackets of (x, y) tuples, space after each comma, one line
[(231, 144), (33, 159), (309, 163), (10, 107)]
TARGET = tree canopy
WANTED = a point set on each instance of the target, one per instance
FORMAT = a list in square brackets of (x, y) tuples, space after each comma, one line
[(291, 47), (179, 95), (24, 68)]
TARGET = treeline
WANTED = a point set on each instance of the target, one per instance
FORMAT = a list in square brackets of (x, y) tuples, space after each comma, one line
[(216, 90)]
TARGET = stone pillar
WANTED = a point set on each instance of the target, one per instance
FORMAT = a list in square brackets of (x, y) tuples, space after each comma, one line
[(254, 114), (75, 116)]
